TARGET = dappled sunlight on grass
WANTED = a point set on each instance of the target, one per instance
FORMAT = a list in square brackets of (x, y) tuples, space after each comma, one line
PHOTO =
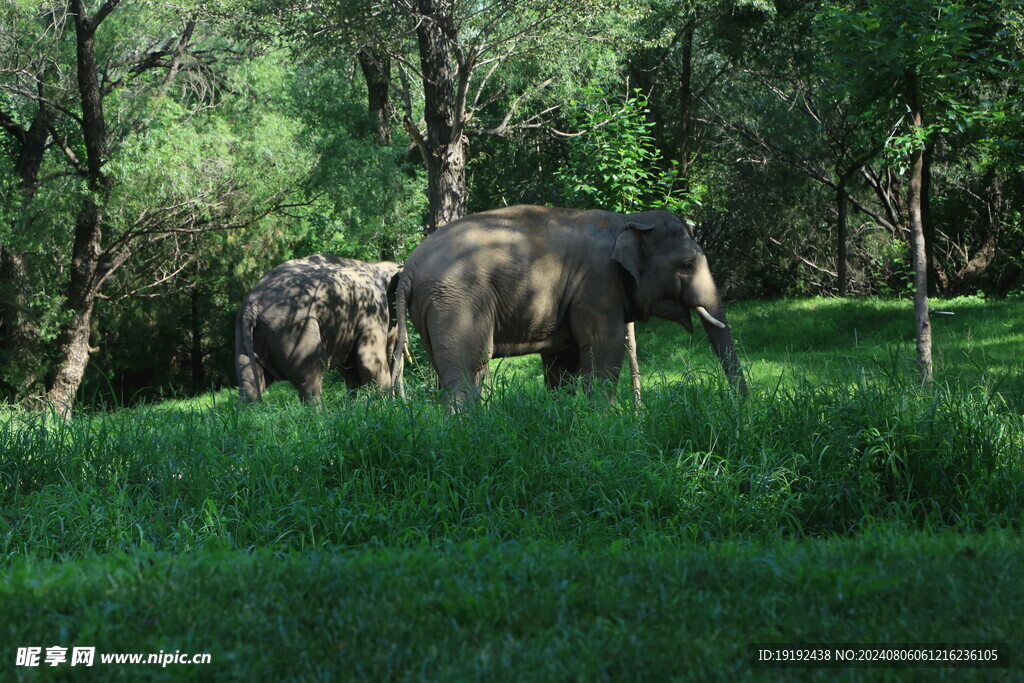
[(817, 339), (826, 341), (207, 401)]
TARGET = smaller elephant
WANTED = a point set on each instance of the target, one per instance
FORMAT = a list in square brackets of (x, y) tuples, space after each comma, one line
[(310, 314)]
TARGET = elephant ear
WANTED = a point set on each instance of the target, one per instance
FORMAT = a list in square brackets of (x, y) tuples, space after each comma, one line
[(629, 250)]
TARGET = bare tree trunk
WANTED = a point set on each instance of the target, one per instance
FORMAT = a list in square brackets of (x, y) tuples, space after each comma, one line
[(376, 67), (444, 93), (447, 195), (18, 334), (686, 104), (74, 350), (917, 237), (841, 252)]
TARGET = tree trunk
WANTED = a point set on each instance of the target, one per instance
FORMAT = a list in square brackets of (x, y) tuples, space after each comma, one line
[(843, 211), (686, 104), (18, 334), (444, 95), (32, 145), (376, 69), (446, 186), (917, 236), (196, 350), (841, 253), (74, 350), (969, 278), (74, 357)]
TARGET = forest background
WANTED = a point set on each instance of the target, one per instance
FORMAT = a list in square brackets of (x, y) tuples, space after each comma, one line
[(157, 158)]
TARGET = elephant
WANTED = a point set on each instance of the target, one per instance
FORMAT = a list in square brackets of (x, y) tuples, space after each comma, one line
[(559, 282), (310, 314)]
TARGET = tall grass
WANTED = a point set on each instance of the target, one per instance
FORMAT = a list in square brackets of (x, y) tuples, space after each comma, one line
[(805, 458)]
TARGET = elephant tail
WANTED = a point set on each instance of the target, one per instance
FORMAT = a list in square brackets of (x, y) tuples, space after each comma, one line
[(250, 372), (398, 355)]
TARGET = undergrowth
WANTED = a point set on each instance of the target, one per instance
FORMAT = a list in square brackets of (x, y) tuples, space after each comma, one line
[(698, 463)]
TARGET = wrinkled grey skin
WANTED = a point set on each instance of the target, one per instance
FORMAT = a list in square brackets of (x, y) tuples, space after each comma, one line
[(558, 282), (315, 313)]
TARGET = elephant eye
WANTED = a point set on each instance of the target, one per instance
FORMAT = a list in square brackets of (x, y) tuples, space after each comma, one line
[(686, 266)]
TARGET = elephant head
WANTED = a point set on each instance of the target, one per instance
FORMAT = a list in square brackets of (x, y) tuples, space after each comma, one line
[(669, 277)]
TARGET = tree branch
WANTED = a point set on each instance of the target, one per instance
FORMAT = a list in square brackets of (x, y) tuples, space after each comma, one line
[(804, 260), (102, 13), (12, 128)]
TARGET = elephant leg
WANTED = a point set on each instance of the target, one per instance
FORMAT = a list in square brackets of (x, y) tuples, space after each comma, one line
[(461, 361), (601, 352), (310, 389), (561, 367), (351, 377), (304, 361), (371, 359)]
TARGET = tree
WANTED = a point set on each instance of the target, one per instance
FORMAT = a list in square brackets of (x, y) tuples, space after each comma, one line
[(27, 138), (460, 45), (704, 83), (913, 63), (70, 67)]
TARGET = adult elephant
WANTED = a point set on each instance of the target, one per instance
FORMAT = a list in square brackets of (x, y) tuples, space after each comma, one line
[(558, 282), (310, 314)]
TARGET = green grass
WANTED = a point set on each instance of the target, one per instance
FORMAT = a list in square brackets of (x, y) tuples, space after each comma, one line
[(491, 610), (543, 536), (827, 340), (814, 339)]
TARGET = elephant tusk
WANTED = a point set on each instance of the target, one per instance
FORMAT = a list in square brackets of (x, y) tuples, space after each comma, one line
[(702, 312)]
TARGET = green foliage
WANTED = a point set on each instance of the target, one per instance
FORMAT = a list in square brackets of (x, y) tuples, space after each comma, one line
[(614, 164), (944, 44), (520, 166), (368, 200)]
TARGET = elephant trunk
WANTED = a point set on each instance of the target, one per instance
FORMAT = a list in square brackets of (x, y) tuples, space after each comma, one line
[(725, 348), (704, 298)]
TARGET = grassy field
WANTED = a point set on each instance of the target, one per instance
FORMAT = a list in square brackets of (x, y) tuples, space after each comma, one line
[(545, 537)]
